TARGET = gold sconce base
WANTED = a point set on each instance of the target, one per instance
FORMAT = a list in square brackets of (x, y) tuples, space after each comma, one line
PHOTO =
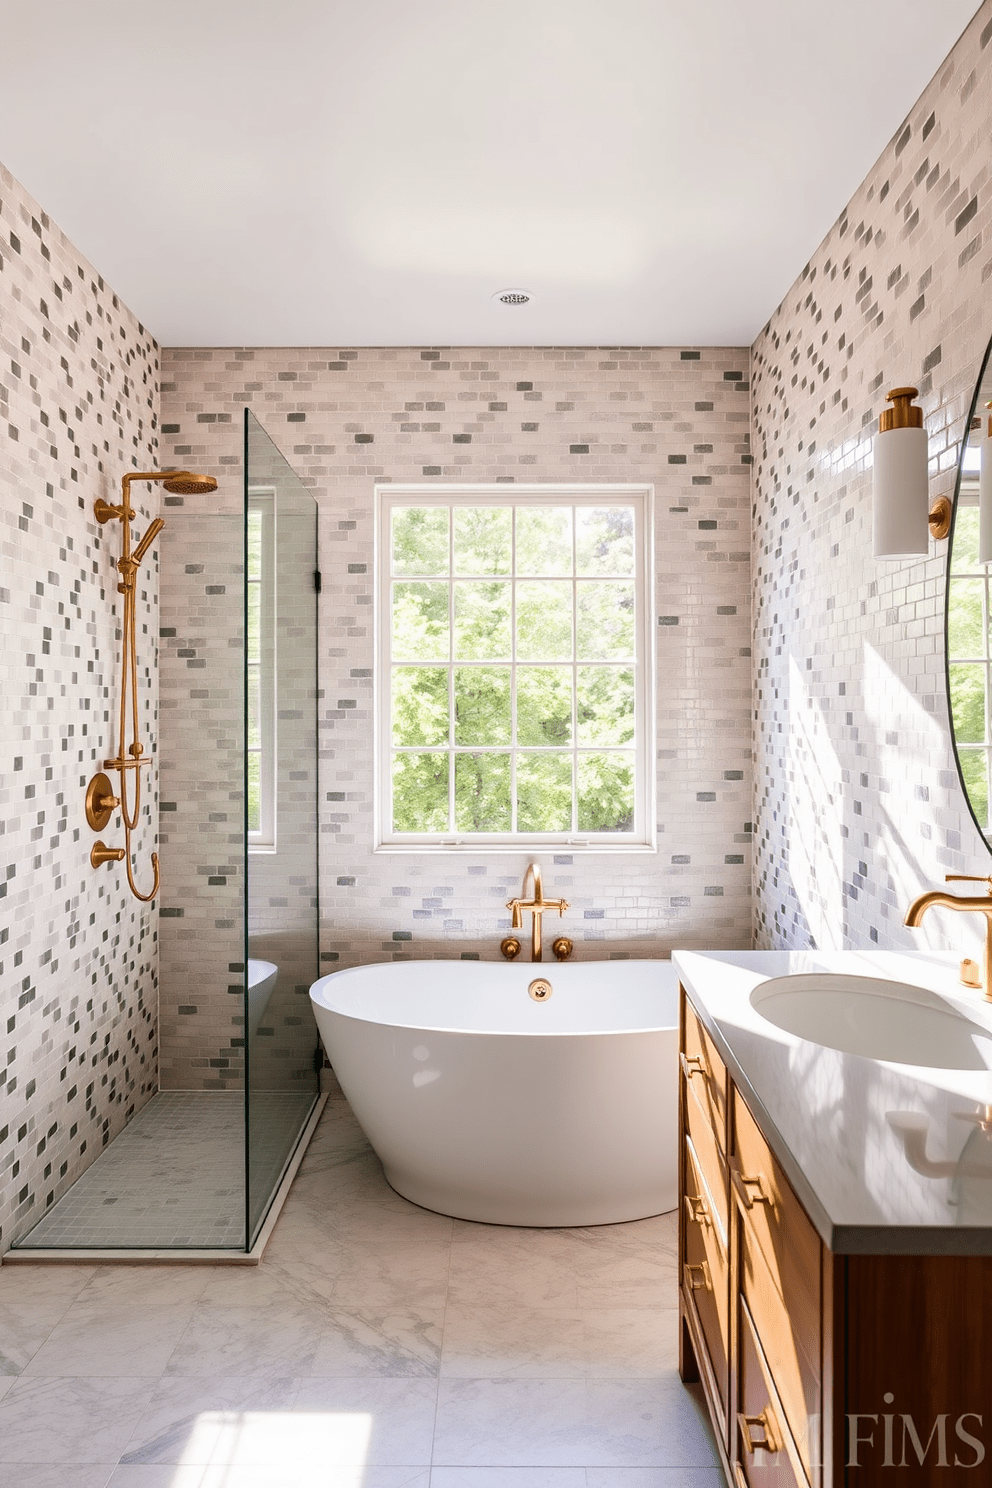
[(101, 854), (940, 518), (100, 802)]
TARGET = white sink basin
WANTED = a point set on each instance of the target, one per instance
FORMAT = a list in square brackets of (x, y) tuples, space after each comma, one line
[(875, 1018)]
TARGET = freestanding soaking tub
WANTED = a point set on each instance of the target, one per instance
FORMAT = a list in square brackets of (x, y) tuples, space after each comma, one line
[(487, 1104)]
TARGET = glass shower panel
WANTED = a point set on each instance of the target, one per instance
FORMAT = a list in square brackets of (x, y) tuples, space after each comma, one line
[(282, 1082)]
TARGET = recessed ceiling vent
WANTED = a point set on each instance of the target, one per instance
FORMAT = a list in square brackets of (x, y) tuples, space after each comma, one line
[(513, 296)]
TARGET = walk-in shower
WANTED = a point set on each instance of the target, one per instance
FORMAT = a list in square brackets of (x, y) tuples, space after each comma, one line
[(232, 701)]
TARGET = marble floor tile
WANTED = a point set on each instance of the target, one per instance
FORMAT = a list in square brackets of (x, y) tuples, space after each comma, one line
[(508, 1477), (274, 1339), (189, 1419), (374, 1342), (70, 1420), (578, 1343), (513, 1343), (391, 1421), (158, 1285), (100, 1338), (24, 1327), (62, 1475), (348, 1475), (603, 1423), (655, 1477), (6, 1381), (44, 1286), (632, 1343)]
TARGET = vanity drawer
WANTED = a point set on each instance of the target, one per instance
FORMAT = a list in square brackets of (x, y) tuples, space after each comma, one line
[(758, 1419), (705, 1272), (705, 1072), (785, 1312), (712, 1163), (775, 1216)]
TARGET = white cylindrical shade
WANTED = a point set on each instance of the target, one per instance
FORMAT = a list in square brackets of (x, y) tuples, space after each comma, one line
[(902, 496), (985, 502)]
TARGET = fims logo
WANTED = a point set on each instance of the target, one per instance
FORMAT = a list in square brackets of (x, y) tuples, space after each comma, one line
[(890, 1439)]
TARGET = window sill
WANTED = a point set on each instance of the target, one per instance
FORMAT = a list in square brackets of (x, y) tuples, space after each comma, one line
[(461, 849)]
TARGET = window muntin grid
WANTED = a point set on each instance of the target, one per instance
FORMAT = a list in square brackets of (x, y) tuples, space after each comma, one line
[(515, 694)]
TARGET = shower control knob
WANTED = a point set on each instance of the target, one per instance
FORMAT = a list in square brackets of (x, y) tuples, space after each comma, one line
[(101, 854), (100, 802)]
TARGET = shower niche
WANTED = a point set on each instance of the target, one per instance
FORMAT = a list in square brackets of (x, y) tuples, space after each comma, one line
[(198, 1169)]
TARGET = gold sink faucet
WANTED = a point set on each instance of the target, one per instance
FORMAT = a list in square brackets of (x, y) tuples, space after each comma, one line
[(537, 905), (923, 902)]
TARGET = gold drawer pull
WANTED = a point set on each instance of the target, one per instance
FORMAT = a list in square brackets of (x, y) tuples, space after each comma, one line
[(703, 1284), (692, 1066), (697, 1210), (745, 1185), (765, 1423)]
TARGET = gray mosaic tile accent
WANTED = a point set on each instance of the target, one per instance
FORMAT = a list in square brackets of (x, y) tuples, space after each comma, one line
[(78, 956), (176, 1176), (857, 803), (347, 418)]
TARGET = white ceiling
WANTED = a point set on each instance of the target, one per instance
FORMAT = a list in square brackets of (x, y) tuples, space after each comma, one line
[(370, 172)]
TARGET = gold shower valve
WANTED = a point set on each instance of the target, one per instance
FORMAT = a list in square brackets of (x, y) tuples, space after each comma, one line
[(101, 854), (100, 802)]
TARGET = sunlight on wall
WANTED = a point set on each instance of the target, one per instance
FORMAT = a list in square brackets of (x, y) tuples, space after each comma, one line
[(816, 851), (908, 748), (225, 1448)]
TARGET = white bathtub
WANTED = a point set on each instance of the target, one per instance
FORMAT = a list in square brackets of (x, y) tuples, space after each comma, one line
[(262, 977), (486, 1105)]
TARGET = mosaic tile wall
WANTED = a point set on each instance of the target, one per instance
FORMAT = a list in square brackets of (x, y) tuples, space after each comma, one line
[(346, 418), (78, 956), (201, 926), (857, 800)]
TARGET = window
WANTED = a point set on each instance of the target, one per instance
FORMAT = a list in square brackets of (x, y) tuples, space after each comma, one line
[(969, 658), (260, 669), (515, 702)]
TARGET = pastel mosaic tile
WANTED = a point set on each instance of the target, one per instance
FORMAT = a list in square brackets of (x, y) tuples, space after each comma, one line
[(857, 803), (347, 418), (78, 956)]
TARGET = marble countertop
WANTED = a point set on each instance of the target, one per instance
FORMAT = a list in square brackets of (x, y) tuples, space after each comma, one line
[(887, 1159)]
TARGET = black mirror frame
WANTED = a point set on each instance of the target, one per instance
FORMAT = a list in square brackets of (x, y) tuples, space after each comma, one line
[(976, 397)]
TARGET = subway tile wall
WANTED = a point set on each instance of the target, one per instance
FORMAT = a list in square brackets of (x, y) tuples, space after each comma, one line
[(78, 955), (347, 418), (857, 802)]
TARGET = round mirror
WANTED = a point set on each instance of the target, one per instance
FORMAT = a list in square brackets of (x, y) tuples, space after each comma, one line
[(967, 630)]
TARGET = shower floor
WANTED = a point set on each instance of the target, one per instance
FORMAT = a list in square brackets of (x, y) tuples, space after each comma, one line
[(174, 1177)]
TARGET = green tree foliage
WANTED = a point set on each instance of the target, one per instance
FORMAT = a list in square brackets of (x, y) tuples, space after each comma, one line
[(570, 726)]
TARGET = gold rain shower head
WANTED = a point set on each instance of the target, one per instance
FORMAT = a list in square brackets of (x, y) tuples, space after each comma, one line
[(185, 483)]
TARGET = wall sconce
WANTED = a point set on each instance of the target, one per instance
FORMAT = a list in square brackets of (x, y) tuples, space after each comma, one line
[(902, 510), (985, 494)]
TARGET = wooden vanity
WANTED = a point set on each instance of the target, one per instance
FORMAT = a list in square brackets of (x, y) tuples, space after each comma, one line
[(818, 1368)]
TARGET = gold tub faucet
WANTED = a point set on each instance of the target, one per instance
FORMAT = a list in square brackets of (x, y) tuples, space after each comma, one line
[(967, 903), (536, 905)]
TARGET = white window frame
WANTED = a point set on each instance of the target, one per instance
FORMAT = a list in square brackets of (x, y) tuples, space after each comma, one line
[(643, 837), (262, 499)]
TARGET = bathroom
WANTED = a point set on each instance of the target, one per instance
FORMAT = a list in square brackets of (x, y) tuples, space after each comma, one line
[(806, 785)]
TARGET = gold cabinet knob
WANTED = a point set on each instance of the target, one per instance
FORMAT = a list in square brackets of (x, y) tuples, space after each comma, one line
[(767, 1425), (696, 1209)]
